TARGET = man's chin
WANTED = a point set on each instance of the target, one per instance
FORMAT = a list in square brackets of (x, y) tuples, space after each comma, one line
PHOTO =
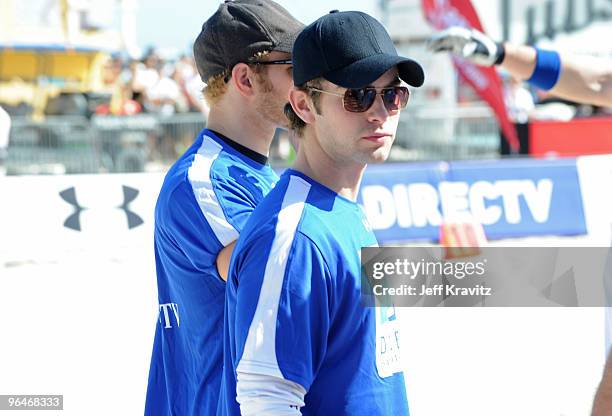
[(379, 156)]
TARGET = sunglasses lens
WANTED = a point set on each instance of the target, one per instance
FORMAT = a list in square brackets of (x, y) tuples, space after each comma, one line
[(395, 98), (359, 100)]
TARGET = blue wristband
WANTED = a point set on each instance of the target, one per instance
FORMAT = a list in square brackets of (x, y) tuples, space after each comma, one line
[(547, 69)]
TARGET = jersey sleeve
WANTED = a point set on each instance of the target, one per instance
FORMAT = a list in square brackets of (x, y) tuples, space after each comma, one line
[(183, 222), (282, 310), (237, 197)]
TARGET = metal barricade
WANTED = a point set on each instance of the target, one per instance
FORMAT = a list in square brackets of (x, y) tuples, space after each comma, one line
[(150, 142), (176, 134), (122, 141), (57, 145), (145, 142), (446, 134)]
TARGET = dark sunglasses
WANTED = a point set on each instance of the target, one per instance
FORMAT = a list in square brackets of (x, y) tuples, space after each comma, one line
[(277, 62), (358, 100)]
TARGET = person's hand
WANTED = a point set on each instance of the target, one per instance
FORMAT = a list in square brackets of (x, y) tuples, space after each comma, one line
[(469, 44)]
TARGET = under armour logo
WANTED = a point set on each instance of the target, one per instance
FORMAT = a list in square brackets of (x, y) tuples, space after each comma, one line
[(129, 195), (74, 220)]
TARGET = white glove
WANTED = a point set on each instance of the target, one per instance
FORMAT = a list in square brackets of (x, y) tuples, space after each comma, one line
[(469, 44)]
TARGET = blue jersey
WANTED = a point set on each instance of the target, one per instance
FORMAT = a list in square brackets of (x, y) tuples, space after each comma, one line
[(294, 310), (203, 205)]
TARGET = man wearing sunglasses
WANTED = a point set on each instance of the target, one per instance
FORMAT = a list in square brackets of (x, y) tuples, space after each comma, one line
[(298, 338), (243, 53)]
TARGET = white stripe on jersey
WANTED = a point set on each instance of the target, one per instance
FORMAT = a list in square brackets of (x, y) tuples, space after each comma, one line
[(259, 356), (199, 178)]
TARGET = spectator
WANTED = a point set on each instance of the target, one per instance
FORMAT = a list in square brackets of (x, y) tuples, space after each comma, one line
[(121, 102), (144, 76), (191, 85), (163, 96)]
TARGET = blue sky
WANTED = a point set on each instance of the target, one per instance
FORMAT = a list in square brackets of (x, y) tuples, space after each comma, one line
[(173, 25)]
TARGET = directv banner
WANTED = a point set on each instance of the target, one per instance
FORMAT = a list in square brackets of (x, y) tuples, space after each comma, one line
[(510, 198), (496, 276)]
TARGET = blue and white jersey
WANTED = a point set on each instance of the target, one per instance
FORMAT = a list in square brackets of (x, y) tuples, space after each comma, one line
[(204, 203), (294, 309)]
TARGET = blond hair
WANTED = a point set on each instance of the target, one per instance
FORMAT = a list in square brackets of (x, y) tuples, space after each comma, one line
[(216, 86)]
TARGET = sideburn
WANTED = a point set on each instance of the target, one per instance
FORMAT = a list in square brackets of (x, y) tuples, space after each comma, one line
[(261, 77)]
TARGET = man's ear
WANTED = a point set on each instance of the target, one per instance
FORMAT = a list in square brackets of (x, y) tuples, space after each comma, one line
[(302, 105), (242, 79)]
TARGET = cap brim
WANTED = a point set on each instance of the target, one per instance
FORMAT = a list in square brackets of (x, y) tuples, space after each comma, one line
[(362, 73)]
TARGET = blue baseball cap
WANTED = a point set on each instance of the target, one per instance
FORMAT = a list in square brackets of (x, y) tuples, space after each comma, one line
[(350, 49)]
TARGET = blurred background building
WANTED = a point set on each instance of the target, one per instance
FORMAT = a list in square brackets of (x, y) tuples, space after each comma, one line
[(85, 96)]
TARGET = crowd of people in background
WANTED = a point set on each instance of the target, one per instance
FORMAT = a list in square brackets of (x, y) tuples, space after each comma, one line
[(156, 85), (152, 85)]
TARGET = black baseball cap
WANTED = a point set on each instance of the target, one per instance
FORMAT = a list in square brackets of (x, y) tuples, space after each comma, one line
[(240, 29), (350, 49)]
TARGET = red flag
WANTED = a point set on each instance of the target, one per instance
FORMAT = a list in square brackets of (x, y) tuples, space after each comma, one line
[(442, 14)]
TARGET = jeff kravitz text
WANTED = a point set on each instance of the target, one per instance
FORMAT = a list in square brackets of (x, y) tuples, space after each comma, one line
[(435, 290)]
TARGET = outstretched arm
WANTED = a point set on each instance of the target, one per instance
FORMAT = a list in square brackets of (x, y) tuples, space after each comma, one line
[(581, 79)]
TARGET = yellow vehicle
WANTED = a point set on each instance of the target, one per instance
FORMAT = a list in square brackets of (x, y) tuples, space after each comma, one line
[(51, 79)]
